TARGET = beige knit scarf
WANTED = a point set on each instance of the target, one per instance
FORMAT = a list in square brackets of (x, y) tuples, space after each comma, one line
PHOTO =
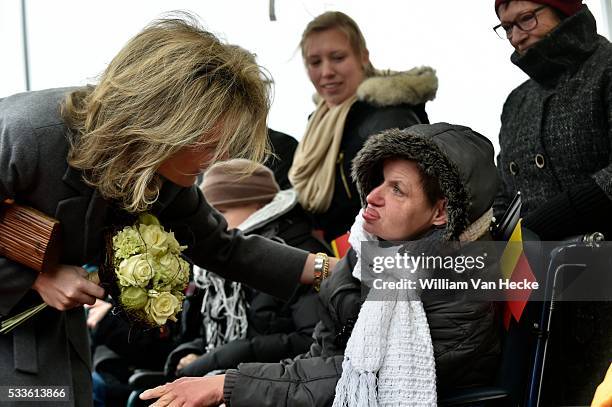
[(314, 164)]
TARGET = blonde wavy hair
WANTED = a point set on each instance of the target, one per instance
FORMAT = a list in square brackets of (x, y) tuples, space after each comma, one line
[(173, 85), (339, 20)]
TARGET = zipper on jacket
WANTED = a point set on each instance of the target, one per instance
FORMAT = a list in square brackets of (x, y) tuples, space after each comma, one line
[(340, 163)]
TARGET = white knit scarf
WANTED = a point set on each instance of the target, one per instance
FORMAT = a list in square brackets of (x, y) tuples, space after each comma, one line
[(224, 306), (389, 358)]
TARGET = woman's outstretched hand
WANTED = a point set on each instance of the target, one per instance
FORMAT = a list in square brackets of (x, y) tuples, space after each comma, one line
[(188, 392)]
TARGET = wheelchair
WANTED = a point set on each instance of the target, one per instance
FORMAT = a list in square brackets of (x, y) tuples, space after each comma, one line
[(520, 376)]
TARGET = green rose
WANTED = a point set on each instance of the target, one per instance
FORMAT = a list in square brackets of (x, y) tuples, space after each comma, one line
[(148, 219), (183, 278), (173, 244), (180, 296), (133, 298), (136, 271), (127, 243), (162, 306), (155, 239), (173, 272), (168, 270)]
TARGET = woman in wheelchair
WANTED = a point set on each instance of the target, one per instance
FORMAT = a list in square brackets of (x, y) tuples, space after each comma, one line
[(426, 185)]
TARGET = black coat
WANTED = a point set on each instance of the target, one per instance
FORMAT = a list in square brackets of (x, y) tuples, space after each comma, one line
[(464, 335), (283, 148), (556, 133)]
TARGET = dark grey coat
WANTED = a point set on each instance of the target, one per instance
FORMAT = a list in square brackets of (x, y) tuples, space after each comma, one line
[(53, 349), (562, 116), (556, 133)]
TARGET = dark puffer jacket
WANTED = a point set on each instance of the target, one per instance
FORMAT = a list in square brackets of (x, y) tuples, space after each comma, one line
[(556, 133), (277, 329), (385, 101), (464, 334)]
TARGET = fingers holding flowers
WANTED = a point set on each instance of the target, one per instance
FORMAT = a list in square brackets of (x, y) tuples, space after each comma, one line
[(65, 287)]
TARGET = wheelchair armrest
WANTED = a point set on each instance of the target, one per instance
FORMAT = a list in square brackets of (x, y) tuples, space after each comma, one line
[(461, 397), (146, 379)]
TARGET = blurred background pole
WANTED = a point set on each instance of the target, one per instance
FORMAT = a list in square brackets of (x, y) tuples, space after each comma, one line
[(26, 59), (606, 10), (272, 11)]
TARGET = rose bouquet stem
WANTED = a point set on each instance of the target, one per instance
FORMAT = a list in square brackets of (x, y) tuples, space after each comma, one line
[(16, 320)]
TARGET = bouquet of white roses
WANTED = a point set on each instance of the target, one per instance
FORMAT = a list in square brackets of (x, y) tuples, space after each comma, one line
[(149, 273), (144, 273)]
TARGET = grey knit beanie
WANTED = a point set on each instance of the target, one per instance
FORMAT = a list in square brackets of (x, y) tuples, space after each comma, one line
[(238, 181)]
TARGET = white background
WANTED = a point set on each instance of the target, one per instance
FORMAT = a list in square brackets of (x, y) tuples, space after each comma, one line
[(71, 42)]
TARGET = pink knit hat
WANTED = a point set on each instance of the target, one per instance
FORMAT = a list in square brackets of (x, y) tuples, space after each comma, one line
[(231, 182), (567, 7)]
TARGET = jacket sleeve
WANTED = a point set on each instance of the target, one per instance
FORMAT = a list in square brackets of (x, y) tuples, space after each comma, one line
[(301, 382), (18, 166), (271, 347), (581, 209), (264, 348), (195, 346), (603, 177), (307, 380), (256, 261)]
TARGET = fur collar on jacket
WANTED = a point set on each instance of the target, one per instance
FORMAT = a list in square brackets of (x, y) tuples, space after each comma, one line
[(390, 88)]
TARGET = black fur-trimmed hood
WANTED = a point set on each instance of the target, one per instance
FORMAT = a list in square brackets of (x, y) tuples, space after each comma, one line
[(460, 158)]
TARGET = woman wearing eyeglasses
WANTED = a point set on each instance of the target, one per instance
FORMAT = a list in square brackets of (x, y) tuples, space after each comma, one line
[(556, 149), (555, 134)]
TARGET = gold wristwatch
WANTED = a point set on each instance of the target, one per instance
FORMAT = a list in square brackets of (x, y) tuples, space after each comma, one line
[(321, 270)]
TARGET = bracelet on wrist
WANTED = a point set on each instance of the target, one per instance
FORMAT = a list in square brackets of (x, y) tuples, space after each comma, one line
[(321, 270)]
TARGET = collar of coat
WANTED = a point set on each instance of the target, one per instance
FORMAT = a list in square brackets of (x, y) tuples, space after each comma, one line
[(562, 50), (282, 203), (390, 88)]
